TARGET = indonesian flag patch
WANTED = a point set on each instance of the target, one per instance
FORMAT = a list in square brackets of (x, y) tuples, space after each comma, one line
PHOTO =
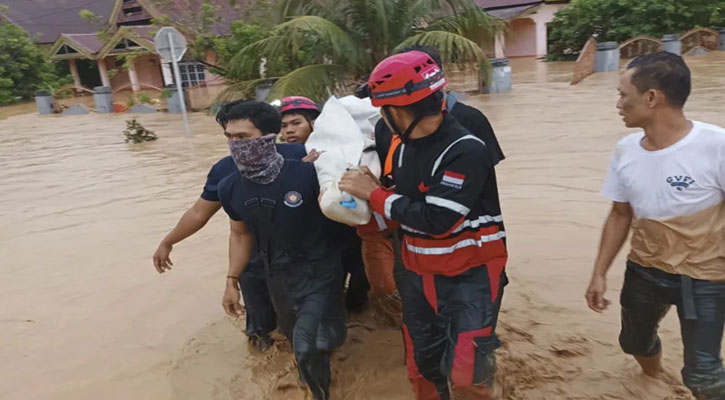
[(453, 179)]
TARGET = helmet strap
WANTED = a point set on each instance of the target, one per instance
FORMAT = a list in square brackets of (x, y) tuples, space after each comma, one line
[(404, 136)]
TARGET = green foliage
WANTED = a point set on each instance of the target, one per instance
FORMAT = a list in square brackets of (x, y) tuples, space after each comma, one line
[(620, 20), (24, 67), (143, 98), (240, 36), (103, 34), (90, 17), (136, 133), (130, 101), (325, 46)]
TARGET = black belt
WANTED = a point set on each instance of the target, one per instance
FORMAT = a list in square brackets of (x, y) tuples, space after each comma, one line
[(688, 298)]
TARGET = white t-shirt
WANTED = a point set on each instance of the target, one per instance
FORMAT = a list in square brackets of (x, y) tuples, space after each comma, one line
[(681, 180)]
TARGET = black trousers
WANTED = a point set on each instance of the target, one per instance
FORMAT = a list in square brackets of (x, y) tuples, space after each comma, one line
[(308, 301), (261, 317), (648, 294)]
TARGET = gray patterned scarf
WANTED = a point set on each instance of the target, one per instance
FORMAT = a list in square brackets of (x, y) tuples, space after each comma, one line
[(257, 159)]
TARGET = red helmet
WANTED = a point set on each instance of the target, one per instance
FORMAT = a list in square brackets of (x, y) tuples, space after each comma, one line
[(296, 103), (404, 79)]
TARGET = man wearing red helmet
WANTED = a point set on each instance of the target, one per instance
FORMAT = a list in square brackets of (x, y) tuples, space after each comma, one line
[(298, 118), (298, 121), (453, 253)]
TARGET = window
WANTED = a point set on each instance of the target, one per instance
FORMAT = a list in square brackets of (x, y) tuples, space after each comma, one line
[(132, 10), (192, 74)]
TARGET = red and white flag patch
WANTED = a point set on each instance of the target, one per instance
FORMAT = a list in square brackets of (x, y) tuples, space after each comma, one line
[(453, 179)]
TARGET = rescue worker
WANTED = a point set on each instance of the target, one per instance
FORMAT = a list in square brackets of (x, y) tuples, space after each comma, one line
[(471, 118), (666, 183), (378, 245), (273, 202), (298, 121), (445, 200), (260, 315)]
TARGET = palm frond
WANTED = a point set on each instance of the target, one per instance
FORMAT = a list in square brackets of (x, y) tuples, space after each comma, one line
[(470, 23), (337, 44), (317, 82), (241, 90), (246, 64), (454, 49)]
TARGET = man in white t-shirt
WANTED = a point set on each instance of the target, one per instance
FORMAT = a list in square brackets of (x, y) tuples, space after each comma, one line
[(667, 184)]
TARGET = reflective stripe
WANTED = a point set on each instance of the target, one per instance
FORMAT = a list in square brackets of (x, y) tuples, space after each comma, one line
[(470, 223), (389, 204), (413, 230), (475, 223), (380, 221), (440, 157), (449, 204), (459, 245), (400, 157)]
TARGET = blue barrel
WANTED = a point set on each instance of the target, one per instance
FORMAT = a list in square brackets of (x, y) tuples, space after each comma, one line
[(607, 57), (671, 43), (500, 76), (103, 97), (173, 100), (44, 102)]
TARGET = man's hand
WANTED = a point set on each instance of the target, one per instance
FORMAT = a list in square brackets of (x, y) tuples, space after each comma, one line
[(312, 156), (595, 293), (162, 262), (230, 301), (359, 183)]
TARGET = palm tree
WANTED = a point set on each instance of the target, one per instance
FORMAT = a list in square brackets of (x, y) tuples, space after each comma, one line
[(333, 44)]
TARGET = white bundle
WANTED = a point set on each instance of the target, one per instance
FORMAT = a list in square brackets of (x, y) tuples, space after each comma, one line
[(345, 135)]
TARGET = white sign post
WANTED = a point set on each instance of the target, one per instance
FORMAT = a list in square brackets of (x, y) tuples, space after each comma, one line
[(171, 45)]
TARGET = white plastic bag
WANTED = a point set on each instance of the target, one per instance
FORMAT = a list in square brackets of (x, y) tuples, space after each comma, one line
[(345, 135)]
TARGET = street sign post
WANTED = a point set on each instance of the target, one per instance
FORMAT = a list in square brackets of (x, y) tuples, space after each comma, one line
[(171, 45)]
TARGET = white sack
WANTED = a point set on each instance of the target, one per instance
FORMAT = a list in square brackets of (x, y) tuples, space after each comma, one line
[(344, 129)]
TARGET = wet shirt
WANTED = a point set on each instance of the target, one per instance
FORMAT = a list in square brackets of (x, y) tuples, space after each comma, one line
[(678, 198), (226, 167), (285, 217), (446, 202)]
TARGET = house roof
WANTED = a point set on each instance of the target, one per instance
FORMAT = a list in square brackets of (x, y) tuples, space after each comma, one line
[(493, 4), (143, 36), (50, 18), (94, 46), (512, 12), (87, 41), (186, 13), (502, 4)]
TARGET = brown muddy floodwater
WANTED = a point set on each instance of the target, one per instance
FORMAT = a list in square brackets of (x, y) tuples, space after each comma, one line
[(83, 315)]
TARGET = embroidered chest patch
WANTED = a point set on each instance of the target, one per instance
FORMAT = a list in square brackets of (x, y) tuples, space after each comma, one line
[(293, 199)]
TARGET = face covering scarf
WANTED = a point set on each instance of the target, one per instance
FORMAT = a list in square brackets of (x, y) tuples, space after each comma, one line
[(257, 159)]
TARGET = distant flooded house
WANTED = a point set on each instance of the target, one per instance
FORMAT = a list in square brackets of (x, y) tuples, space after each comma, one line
[(527, 35), (94, 47)]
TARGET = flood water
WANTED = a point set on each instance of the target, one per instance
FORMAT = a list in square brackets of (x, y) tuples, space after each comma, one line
[(83, 314)]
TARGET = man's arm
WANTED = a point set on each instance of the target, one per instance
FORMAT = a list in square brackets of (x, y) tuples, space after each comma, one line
[(451, 194), (193, 219), (616, 229), (241, 244)]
